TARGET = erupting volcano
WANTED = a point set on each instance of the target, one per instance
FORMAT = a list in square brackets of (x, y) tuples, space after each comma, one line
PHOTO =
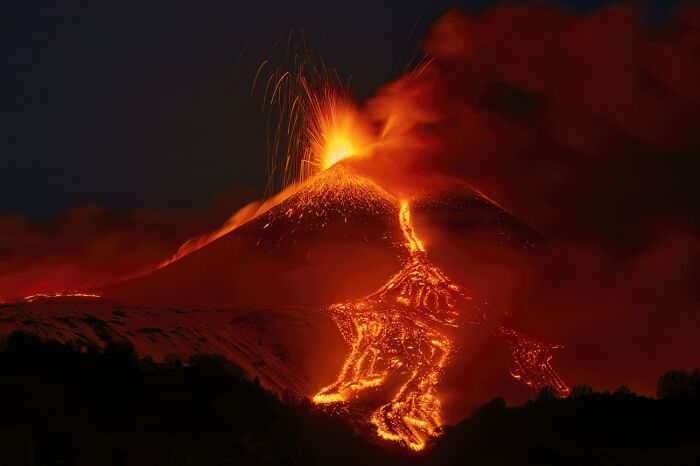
[(418, 258), (400, 337)]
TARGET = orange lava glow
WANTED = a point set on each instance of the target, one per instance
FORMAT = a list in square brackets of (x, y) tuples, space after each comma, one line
[(334, 129), (339, 138), (397, 335), (399, 344), (38, 296), (339, 147)]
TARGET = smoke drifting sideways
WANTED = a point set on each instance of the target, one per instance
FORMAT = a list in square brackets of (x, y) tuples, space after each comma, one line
[(585, 127), (92, 245)]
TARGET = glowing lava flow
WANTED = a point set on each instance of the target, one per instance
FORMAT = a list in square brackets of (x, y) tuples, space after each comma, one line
[(399, 344), (396, 333), (34, 297)]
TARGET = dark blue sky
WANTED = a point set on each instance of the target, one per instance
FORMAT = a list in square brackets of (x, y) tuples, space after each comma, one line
[(145, 104)]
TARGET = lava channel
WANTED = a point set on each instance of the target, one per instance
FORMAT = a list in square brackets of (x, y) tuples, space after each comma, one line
[(399, 342)]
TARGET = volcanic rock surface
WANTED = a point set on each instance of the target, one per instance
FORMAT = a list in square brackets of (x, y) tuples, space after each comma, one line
[(332, 240)]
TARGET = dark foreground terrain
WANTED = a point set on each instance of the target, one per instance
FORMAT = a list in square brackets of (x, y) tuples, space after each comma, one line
[(59, 406)]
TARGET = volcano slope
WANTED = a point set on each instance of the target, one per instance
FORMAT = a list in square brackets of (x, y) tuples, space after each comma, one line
[(400, 339), (336, 272), (334, 239), (277, 346)]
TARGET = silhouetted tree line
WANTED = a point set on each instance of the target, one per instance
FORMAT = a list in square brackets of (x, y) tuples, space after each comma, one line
[(89, 407), (679, 383)]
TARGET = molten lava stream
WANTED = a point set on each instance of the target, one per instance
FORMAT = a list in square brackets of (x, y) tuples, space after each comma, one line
[(398, 342), (395, 333)]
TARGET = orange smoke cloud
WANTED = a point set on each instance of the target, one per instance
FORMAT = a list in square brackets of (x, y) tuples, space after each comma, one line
[(89, 246), (528, 102), (583, 126)]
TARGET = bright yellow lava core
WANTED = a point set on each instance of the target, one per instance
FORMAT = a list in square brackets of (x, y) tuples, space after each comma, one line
[(338, 147)]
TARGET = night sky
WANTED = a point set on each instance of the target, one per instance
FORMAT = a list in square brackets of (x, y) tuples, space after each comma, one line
[(148, 104)]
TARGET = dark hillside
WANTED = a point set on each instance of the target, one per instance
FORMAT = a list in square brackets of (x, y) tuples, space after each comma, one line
[(64, 407)]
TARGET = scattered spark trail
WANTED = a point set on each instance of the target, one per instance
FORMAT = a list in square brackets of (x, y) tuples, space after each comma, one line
[(313, 121)]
